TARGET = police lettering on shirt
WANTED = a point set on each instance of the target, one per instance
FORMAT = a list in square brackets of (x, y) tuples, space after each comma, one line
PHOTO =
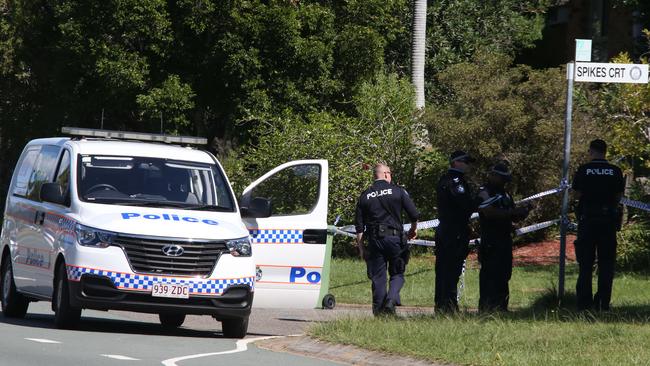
[(379, 193), (597, 171)]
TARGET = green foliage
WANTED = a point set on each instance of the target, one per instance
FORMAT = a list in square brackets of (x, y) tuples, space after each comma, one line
[(633, 250), (383, 130), (624, 109), (458, 29), (499, 112), (172, 100)]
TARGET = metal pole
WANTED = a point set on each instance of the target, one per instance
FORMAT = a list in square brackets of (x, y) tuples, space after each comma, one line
[(564, 219)]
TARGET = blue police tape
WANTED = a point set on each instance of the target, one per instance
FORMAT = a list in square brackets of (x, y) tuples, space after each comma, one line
[(349, 230), (636, 204), (430, 224)]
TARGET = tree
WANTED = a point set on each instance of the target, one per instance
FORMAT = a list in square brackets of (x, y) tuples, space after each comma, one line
[(381, 131), (499, 112), (418, 50)]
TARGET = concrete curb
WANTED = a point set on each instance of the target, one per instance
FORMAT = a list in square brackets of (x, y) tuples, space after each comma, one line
[(345, 354)]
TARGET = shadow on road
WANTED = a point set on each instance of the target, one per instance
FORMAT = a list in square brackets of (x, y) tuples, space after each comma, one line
[(116, 326)]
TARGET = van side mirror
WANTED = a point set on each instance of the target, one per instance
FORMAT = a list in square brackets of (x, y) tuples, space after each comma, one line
[(259, 208), (52, 192)]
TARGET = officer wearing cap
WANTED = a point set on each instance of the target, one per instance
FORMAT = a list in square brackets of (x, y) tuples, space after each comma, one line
[(456, 204), (598, 186), (497, 212), (379, 219)]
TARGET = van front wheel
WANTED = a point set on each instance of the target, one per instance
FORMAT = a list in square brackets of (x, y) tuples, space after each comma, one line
[(14, 305), (65, 315), (235, 328)]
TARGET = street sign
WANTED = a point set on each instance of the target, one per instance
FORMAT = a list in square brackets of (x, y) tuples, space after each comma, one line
[(583, 50), (611, 73)]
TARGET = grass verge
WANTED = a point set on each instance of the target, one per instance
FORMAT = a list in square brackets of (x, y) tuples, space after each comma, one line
[(537, 332)]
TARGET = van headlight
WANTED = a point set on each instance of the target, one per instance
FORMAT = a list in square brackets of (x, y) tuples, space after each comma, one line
[(91, 237), (240, 247)]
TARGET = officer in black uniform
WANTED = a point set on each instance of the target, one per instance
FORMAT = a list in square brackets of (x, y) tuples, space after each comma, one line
[(497, 212), (598, 186), (379, 219), (456, 204)]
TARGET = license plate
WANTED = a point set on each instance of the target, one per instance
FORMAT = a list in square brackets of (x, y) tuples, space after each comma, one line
[(171, 290)]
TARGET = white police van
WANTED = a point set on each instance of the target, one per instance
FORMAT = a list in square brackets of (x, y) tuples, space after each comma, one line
[(105, 220)]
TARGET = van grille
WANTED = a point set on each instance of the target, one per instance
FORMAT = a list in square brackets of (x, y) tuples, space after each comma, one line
[(146, 255)]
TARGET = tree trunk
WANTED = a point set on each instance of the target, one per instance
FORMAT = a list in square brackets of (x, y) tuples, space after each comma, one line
[(418, 47)]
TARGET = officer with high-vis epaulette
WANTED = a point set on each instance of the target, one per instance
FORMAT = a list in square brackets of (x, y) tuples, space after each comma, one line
[(497, 212), (379, 219), (598, 186), (456, 203)]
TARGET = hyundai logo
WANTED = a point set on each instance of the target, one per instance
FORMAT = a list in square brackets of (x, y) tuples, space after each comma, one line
[(173, 250)]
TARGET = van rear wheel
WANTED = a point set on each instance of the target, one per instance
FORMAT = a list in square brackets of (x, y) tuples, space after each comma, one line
[(235, 328), (171, 320), (14, 305), (65, 315)]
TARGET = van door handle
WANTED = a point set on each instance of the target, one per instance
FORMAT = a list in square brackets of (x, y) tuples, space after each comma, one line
[(314, 236), (39, 218)]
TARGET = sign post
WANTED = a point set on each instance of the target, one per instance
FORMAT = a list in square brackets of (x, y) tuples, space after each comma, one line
[(586, 71), (564, 216)]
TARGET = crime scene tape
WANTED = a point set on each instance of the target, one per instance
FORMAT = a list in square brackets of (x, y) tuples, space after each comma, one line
[(350, 231), (636, 204), (430, 224)]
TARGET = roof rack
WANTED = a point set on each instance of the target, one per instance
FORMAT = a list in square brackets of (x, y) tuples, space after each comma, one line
[(123, 135)]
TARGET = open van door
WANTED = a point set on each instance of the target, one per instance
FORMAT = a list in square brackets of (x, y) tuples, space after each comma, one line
[(290, 246)]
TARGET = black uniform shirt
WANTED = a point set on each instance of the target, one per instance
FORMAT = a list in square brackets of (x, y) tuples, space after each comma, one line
[(382, 203), (455, 200), (495, 229), (599, 183)]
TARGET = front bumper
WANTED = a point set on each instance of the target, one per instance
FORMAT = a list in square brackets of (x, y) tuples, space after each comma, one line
[(99, 292)]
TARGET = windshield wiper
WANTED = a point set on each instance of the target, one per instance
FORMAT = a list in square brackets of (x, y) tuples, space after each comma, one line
[(153, 204), (135, 202), (208, 208)]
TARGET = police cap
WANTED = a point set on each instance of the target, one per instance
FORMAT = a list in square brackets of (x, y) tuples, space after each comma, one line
[(501, 170), (460, 155)]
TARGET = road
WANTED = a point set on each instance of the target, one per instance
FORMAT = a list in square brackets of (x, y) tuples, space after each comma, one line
[(122, 338)]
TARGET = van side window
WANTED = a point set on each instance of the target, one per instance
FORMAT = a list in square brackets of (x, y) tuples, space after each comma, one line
[(292, 191), (63, 175), (25, 171), (43, 171)]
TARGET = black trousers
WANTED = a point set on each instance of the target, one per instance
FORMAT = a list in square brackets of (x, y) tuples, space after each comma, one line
[(452, 247), (386, 254), (496, 270), (596, 240)]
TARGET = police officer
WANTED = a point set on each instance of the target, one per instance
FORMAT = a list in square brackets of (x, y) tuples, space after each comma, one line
[(497, 212), (456, 204), (598, 186), (378, 218)]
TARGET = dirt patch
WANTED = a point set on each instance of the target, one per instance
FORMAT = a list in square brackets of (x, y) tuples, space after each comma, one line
[(541, 253)]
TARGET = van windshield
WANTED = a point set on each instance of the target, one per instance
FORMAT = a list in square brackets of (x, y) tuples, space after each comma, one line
[(144, 181)]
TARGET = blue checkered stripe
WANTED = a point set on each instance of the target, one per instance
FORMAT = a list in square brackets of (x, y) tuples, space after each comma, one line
[(129, 281), (276, 236)]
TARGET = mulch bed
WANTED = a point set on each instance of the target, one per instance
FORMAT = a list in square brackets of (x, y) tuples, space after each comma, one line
[(541, 253)]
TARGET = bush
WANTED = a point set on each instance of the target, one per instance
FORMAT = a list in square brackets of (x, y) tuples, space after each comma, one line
[(501, 112), (383, 130), (633, 250)]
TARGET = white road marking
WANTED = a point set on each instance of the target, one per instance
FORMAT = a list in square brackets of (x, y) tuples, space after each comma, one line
[(42, 340), (120, 357), (241, 346)]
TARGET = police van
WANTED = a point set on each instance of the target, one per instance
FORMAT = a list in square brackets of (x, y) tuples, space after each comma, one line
[(128, 221)]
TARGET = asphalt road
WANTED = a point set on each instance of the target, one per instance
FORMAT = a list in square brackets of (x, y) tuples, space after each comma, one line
[(122, 338)]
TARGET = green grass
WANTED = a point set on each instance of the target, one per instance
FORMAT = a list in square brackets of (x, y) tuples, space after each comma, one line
[(537, 332)]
